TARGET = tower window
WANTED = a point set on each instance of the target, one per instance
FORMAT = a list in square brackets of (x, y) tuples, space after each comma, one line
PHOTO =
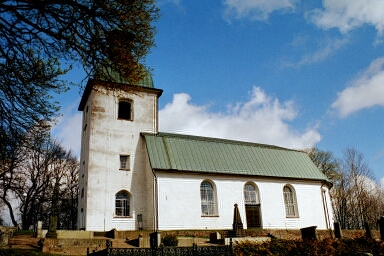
[(125, 110), (124, 162)]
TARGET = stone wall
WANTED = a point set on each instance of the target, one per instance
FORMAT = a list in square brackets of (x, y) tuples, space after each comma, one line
[(50, 245), (67, 234)]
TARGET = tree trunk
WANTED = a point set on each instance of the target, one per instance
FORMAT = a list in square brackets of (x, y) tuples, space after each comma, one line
[(11, 214)]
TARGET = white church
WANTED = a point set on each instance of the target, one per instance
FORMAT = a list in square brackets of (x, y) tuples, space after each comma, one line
[(134, 177)]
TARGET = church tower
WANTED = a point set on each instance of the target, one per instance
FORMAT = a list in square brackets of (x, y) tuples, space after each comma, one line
[(115, 176)]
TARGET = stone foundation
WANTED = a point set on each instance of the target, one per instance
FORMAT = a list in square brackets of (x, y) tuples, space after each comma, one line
[(51, 245)]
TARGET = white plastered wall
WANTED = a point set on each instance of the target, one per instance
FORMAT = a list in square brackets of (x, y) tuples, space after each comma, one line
[(180, 205)]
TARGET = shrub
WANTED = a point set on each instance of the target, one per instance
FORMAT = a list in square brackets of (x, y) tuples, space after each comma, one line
[(311, 247), (169, 240), (21, 252)]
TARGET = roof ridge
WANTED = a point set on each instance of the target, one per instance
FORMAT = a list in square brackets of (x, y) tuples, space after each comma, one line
[(220, 140)]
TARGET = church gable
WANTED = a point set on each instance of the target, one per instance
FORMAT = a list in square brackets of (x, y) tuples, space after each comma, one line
[(209, 155)]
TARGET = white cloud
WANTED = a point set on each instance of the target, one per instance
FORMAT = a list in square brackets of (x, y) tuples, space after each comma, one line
[(365, 92), (262, 119), (331, 47), (68, 129), (255, 9), (325, 49), (347, 15)]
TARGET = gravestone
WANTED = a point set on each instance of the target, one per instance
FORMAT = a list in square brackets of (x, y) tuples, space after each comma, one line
[(52, 227), (214, 237), (4, 236), (338, 233), (309, 233), (381, 225), (368, 234)]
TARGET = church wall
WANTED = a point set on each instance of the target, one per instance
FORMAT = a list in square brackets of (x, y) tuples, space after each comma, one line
[(110, 138), (83, 174), (180, 204)]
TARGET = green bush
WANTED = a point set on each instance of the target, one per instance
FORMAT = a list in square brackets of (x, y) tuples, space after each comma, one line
[(169, 240), (24, 232), (324, 247)]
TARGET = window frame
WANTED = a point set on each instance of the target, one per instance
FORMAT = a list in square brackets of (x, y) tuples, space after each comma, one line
[(122, 204), (208, 199), (290, 202), (121, 114), (127, 163)]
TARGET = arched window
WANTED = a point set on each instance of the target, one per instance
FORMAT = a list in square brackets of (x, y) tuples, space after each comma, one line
[(290, 201), (208, 199), (250, 194), (122, 204)]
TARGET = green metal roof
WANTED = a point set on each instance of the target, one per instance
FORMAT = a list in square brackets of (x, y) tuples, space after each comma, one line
[(115, 77), (201, 154), (146, 81)]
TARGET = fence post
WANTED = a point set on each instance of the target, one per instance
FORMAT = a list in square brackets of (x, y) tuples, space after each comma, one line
[(155, 250), (230, 246), (108, 244)]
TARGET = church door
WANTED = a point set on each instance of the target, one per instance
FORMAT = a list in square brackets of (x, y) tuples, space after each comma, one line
[(252, 212), (252, 206)]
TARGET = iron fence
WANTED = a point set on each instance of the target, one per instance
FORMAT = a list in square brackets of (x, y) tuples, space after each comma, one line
[(224, 250)]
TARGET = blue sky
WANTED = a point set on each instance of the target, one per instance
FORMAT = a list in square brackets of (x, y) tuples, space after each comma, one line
[(286, 72)]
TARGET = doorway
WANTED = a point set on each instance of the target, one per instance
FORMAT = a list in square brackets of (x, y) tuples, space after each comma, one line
[(252, 206)]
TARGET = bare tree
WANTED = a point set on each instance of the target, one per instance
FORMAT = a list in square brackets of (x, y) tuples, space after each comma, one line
[(69, 194), (11, 157), (41, 164), (356, 171), (48, 170), (339, 197), (356, 196)]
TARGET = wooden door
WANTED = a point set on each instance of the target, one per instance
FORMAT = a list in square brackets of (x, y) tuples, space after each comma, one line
[(253, 215)]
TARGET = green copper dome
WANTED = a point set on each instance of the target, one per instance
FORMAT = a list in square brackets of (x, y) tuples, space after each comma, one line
[(146, 81), (113, 76)]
